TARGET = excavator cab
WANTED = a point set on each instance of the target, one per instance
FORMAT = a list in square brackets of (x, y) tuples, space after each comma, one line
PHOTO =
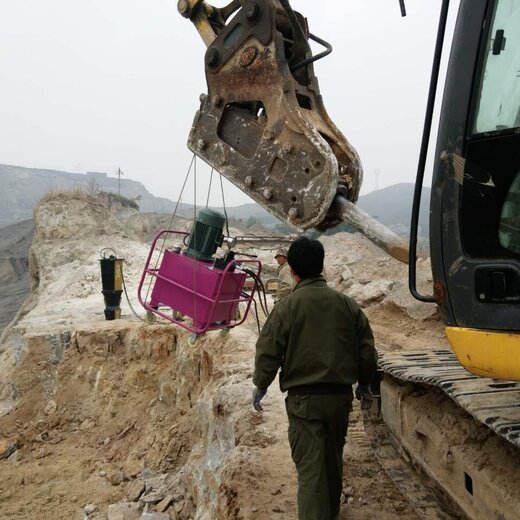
[(263, 124), (475, 202)]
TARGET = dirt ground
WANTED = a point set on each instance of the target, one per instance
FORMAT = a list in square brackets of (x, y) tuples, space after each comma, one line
[(92, 450)]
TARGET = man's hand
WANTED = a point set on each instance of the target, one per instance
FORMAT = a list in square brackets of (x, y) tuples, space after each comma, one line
[(364, 394), (258, 395)]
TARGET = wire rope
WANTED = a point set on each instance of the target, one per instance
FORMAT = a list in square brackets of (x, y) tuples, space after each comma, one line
[(209, 189), (170, 225), (224, 205)]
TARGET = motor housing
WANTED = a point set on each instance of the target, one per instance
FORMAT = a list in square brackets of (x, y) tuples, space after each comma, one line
[(206, 235)]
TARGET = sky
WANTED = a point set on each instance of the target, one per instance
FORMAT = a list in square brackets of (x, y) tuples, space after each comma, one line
[(99, 85)]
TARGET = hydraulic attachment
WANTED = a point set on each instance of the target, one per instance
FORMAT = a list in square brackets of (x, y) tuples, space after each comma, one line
[(263, 124)]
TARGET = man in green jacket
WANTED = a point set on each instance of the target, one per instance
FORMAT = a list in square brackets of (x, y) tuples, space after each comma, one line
[(322, 343)]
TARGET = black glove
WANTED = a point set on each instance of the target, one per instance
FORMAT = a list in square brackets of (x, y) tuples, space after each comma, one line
[(258, 395), (364, 394)]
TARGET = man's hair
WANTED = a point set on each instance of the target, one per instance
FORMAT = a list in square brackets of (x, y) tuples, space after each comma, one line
[(305, 257)]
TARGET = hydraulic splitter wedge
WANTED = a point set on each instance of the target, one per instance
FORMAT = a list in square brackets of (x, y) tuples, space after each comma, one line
[(111, 282)]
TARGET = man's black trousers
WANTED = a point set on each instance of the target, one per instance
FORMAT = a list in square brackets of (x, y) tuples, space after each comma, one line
[(317, 431)]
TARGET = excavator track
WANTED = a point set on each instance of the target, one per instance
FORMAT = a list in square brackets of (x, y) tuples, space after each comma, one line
[(496, 404), (449, 440)]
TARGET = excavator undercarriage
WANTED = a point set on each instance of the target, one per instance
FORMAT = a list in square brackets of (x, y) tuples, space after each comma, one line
[(460, 432)]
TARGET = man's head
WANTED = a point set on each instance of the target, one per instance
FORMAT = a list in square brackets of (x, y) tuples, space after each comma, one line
[(305, 258), (281, 256)]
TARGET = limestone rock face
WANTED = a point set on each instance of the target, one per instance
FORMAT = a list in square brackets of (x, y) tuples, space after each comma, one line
[(141, 409), (358, 268)]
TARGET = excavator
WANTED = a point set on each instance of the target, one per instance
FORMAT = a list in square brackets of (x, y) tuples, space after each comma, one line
[(446, 426)]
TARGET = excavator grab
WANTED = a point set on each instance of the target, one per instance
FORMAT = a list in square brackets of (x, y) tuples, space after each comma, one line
[(263, 123)]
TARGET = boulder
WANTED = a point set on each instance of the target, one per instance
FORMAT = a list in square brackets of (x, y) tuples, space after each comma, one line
[(135, 490), (400, 297), (123, 511), (373, 292), (346, 276)]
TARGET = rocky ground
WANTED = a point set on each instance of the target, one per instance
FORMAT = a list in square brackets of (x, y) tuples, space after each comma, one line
[(126, 419)]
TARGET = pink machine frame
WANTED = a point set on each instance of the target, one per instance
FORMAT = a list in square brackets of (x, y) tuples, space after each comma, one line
[(206, 294)]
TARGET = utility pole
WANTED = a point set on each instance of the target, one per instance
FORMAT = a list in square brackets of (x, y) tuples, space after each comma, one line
[(119, 173)]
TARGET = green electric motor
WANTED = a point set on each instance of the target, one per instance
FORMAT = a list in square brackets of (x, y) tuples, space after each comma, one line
[(206, 235)]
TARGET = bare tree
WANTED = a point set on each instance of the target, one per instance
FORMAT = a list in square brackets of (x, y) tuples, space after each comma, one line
[(92, 189)]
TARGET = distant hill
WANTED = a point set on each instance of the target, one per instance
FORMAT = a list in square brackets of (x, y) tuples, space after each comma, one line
[(392, 206), (23, 187)]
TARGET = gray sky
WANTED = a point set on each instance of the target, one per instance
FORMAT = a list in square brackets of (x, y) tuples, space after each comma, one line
[(100, 84)]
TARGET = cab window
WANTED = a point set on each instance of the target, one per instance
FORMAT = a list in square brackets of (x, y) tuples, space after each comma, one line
[(490, 201), (498, 99), (509, 228)]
